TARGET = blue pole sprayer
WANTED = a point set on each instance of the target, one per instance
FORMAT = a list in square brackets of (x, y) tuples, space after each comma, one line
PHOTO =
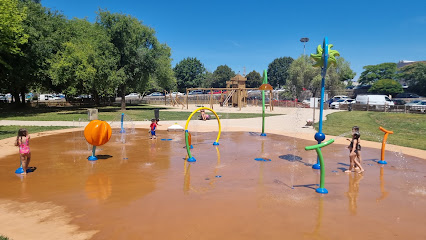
[(19, 170), (93, 157), (323, 56), (122, 120)]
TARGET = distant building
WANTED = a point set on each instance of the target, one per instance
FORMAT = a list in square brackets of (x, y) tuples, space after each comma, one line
[(404, 63)]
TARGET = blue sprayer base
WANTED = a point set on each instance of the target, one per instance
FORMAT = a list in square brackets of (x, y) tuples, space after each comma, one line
[(92, 158), (19, 170), (122, 131), (382, 162), (215, 144), (191, 147), (263, 134), (321, 190), (316, 166), (191, 159)]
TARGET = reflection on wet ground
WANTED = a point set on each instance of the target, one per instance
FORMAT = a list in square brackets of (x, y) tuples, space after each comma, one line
[(144, 189)]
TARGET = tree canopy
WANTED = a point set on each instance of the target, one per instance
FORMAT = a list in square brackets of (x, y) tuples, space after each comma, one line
[(189, 73), (278, 71), (254, 80), (222, 74), (302, 75), (386, 86), (41, 50), (415, 76), (373, 73), (86, 64), (12, 33)]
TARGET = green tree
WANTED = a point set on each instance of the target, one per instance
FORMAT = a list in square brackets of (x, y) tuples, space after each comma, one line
[(254, 80), (140, 55), (86, 63), (415, 76), (12, 33), (46, 30), (222, 74), (278, 71), (207, 79), (373, 73), (386, 86), (337, 75), (189, 73), (302, 75)]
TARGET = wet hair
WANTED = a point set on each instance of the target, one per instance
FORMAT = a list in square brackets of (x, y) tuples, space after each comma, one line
[(21, 133), (355, 128), (356, 135), (153, 120)]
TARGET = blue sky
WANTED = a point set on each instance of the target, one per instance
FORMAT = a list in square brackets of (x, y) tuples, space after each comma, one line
[(252, 34)]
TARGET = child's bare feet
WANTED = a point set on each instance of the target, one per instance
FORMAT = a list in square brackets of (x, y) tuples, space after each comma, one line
[(348, 171), (24, 173), (361, 171)]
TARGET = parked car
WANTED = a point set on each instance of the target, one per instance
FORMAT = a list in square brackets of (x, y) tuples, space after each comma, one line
[(374, 100), (420, 106), (336, 98), (336, 105), (414, 102), (49, 97), (195, 92), (3, 98), (214, 92), (174, 94), (156, 94), (133, 95), (407, 95), (399, 102)]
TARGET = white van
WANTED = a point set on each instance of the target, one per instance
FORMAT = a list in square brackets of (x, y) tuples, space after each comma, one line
[(374, 100), (48, 97)]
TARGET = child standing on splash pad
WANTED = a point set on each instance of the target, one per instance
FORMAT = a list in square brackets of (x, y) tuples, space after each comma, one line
[(23, 142), (355, 153), (153, 127)]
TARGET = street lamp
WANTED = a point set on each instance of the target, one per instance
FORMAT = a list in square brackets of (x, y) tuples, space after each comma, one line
[(304, 40)]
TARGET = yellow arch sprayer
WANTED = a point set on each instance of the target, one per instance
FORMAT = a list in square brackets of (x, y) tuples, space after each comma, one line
[(187, 141)]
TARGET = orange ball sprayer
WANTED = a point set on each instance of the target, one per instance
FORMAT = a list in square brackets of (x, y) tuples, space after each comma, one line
[(97, 133)]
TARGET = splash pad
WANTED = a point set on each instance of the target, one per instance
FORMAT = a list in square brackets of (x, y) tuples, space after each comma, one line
[(224, 194)]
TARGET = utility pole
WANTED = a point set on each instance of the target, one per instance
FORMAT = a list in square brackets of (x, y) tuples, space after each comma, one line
[(304, 40)]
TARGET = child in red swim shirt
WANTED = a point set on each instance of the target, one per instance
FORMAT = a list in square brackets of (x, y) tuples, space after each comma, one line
[(153, 128)]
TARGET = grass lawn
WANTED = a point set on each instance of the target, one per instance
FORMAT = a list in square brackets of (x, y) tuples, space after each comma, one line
[(136, 113), (409, 129), (12, 131)]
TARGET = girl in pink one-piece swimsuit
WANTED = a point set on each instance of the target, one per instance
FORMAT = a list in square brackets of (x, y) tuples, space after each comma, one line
[(23, 142)]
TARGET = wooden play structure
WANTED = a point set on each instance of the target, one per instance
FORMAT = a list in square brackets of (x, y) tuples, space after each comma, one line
[(234, 95)]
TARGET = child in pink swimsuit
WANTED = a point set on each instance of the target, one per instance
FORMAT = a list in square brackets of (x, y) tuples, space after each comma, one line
[(23, 142)]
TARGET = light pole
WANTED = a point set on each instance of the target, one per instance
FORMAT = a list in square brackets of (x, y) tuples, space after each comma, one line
[(304, 41)]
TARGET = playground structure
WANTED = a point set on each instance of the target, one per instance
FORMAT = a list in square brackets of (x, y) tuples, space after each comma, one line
[(234, 95)]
